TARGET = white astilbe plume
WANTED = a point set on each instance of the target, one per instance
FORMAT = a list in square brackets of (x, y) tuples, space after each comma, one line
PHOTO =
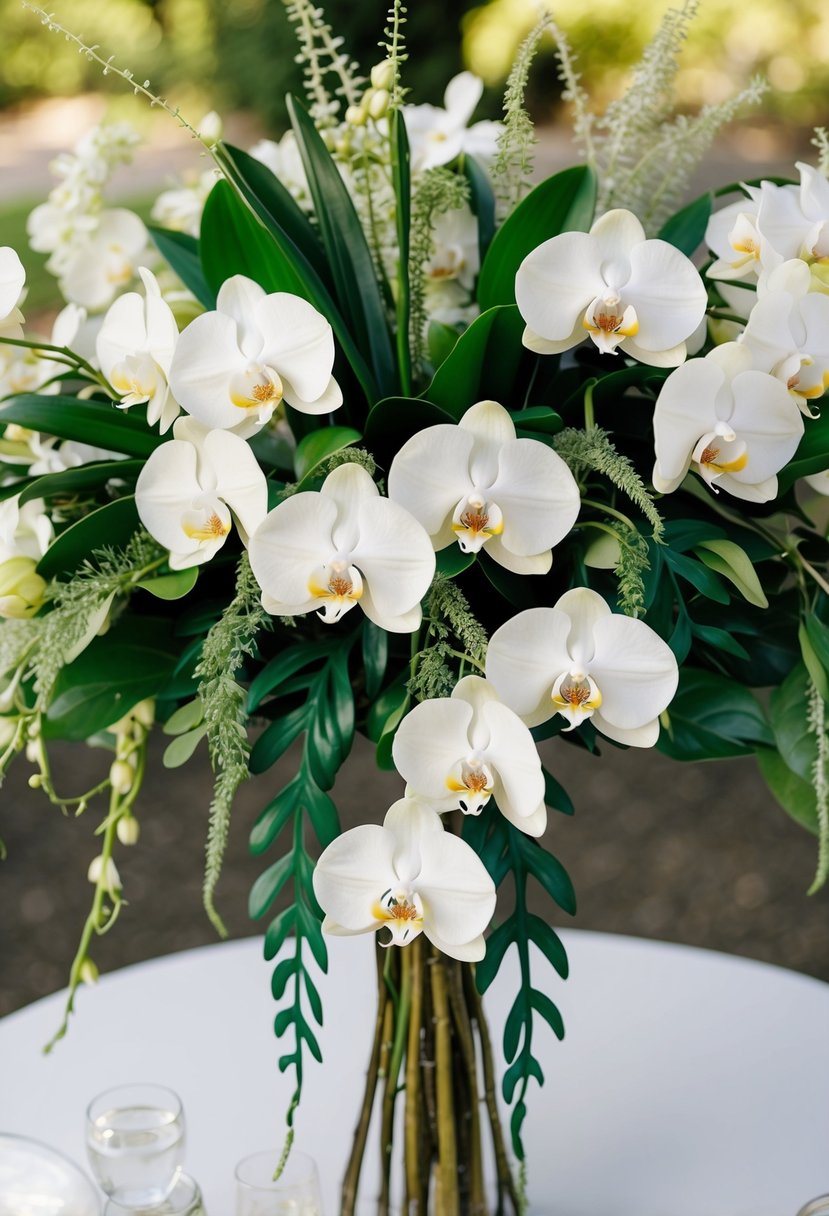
[(821, 142), (643, 153), (321, 56), (574, 93), (513, 166)]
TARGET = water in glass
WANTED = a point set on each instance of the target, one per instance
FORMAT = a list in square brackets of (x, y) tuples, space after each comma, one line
[(135, 1144)]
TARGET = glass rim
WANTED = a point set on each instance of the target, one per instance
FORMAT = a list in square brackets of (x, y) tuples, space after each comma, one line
[(174, 1107), (272, 1156)]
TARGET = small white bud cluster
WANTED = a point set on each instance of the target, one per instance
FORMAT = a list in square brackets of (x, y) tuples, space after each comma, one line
[(374, 103)]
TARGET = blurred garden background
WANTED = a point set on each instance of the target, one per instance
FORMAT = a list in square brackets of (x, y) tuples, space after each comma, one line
[(701, 855)]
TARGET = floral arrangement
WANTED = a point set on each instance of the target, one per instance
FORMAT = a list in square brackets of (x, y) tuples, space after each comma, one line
[(366, 433)]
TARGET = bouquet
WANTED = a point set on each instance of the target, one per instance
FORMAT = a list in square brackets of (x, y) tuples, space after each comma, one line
[(365, 432)]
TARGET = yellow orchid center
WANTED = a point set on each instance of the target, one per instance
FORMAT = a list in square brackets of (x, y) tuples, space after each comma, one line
[(258, 388), (575, 696), (211, 527), (475, 521), (339, 586), (609, 321), (401, 912), (720, 452), (473, 785)]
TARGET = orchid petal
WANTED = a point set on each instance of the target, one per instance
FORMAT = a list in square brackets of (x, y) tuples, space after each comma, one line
[(617, 233), (492, 428), (585, 610), (636, 671), (514, 756), (544, 346), (430, 474), (633, 736), (12, 279), (352, 874), (241, 483), (411, 820), (556, 282), (166, 488), (298, 342), (462, 95), (239, 298), (396, 622), (394, 554), (205, 359), (523, 659), (457, 892), (430, 741), (767, 417), (685, 410), (537, 494), (668, 294), (465, 952), (291, 543), (672, 357)]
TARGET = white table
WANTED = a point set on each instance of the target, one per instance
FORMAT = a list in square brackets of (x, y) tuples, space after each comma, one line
[(689, 1084)]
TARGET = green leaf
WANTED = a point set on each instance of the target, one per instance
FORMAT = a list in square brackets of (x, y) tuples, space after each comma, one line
[(352, 266), (796, 796), (542, 1004), (375, 656), (819, 637), (181, 252), (173, 586), (275, 816), (720, 639), (282, 973), (394, 420), (322, 813), (283, 666), (320, 445), (550, 944), (483, 365), (556, 796), (440, 341), (313, 933), (276, 739), (274, 205), (795, 742), (733, 563), (268, 885), (712, 716), (562, 203), (93, 422), (538, 418), (76, 481), (812, 455), (313, 997), (548, 870), (392, 700), (181, 749), (686, 229), (116, 671), (113, 524), (813, 664), (452, 561), (698, 575), (497, 945), (277, 931), (516, 1020), (185, 718), (481, 201)]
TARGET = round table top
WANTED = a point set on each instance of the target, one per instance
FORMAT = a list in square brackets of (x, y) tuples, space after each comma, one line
[(689, 1083)]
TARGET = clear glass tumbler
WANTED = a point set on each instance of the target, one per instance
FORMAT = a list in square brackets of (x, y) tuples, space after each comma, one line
[(295, 1193), (135, 1143)]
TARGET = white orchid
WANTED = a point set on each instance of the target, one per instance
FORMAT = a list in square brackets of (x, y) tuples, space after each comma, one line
[(478, 484), (285, 163), (788, 332), (455, 253), (28, 370), (795, 219), (735, 425), (326, 551), (819, 482), (12, 280), (437, 136), (25, 531), (460, 751), (581, 660), (135, 348), (96, 269), (181, 207), (733, 235), (613, 285), (187, 489), (409, 877), (233, 367)]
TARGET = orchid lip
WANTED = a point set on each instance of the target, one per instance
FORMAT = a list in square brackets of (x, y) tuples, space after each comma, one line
[(475, 521), (475, 785), (401, 912), (575, 696), (339, 585)]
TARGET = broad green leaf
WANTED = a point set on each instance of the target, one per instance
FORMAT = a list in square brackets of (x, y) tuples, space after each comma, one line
[(819, 637), (93, 422), (127, 665), (181, 749), (172, 586), (562, 203), (483, 365), (812, 455), (181, 252), (796, 796), (440, 342), (538, 418), (788, 704), (319, 445), (76, 481), (721, 639), (452, 561), (392, 700), (273, 204), (283, 666), (394, 420), (686, 229), (352, 266), (113, 524), (733, 563), (698, 575), (712, 716)]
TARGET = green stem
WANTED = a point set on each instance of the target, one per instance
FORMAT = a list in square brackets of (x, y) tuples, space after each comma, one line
[(447, 1201)]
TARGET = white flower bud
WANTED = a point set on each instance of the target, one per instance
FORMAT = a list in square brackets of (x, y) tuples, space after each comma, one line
[(355, 116), (210, 128), (112, 879), (89, 972), (144, 712), (128, 829), (378, 107), (35, 781), (121, 776), (32, 751), (8, 730), (382, 75)]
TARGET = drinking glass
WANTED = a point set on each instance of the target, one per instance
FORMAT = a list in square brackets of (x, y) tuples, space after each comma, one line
[(296, 1192), (135, 1143)]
